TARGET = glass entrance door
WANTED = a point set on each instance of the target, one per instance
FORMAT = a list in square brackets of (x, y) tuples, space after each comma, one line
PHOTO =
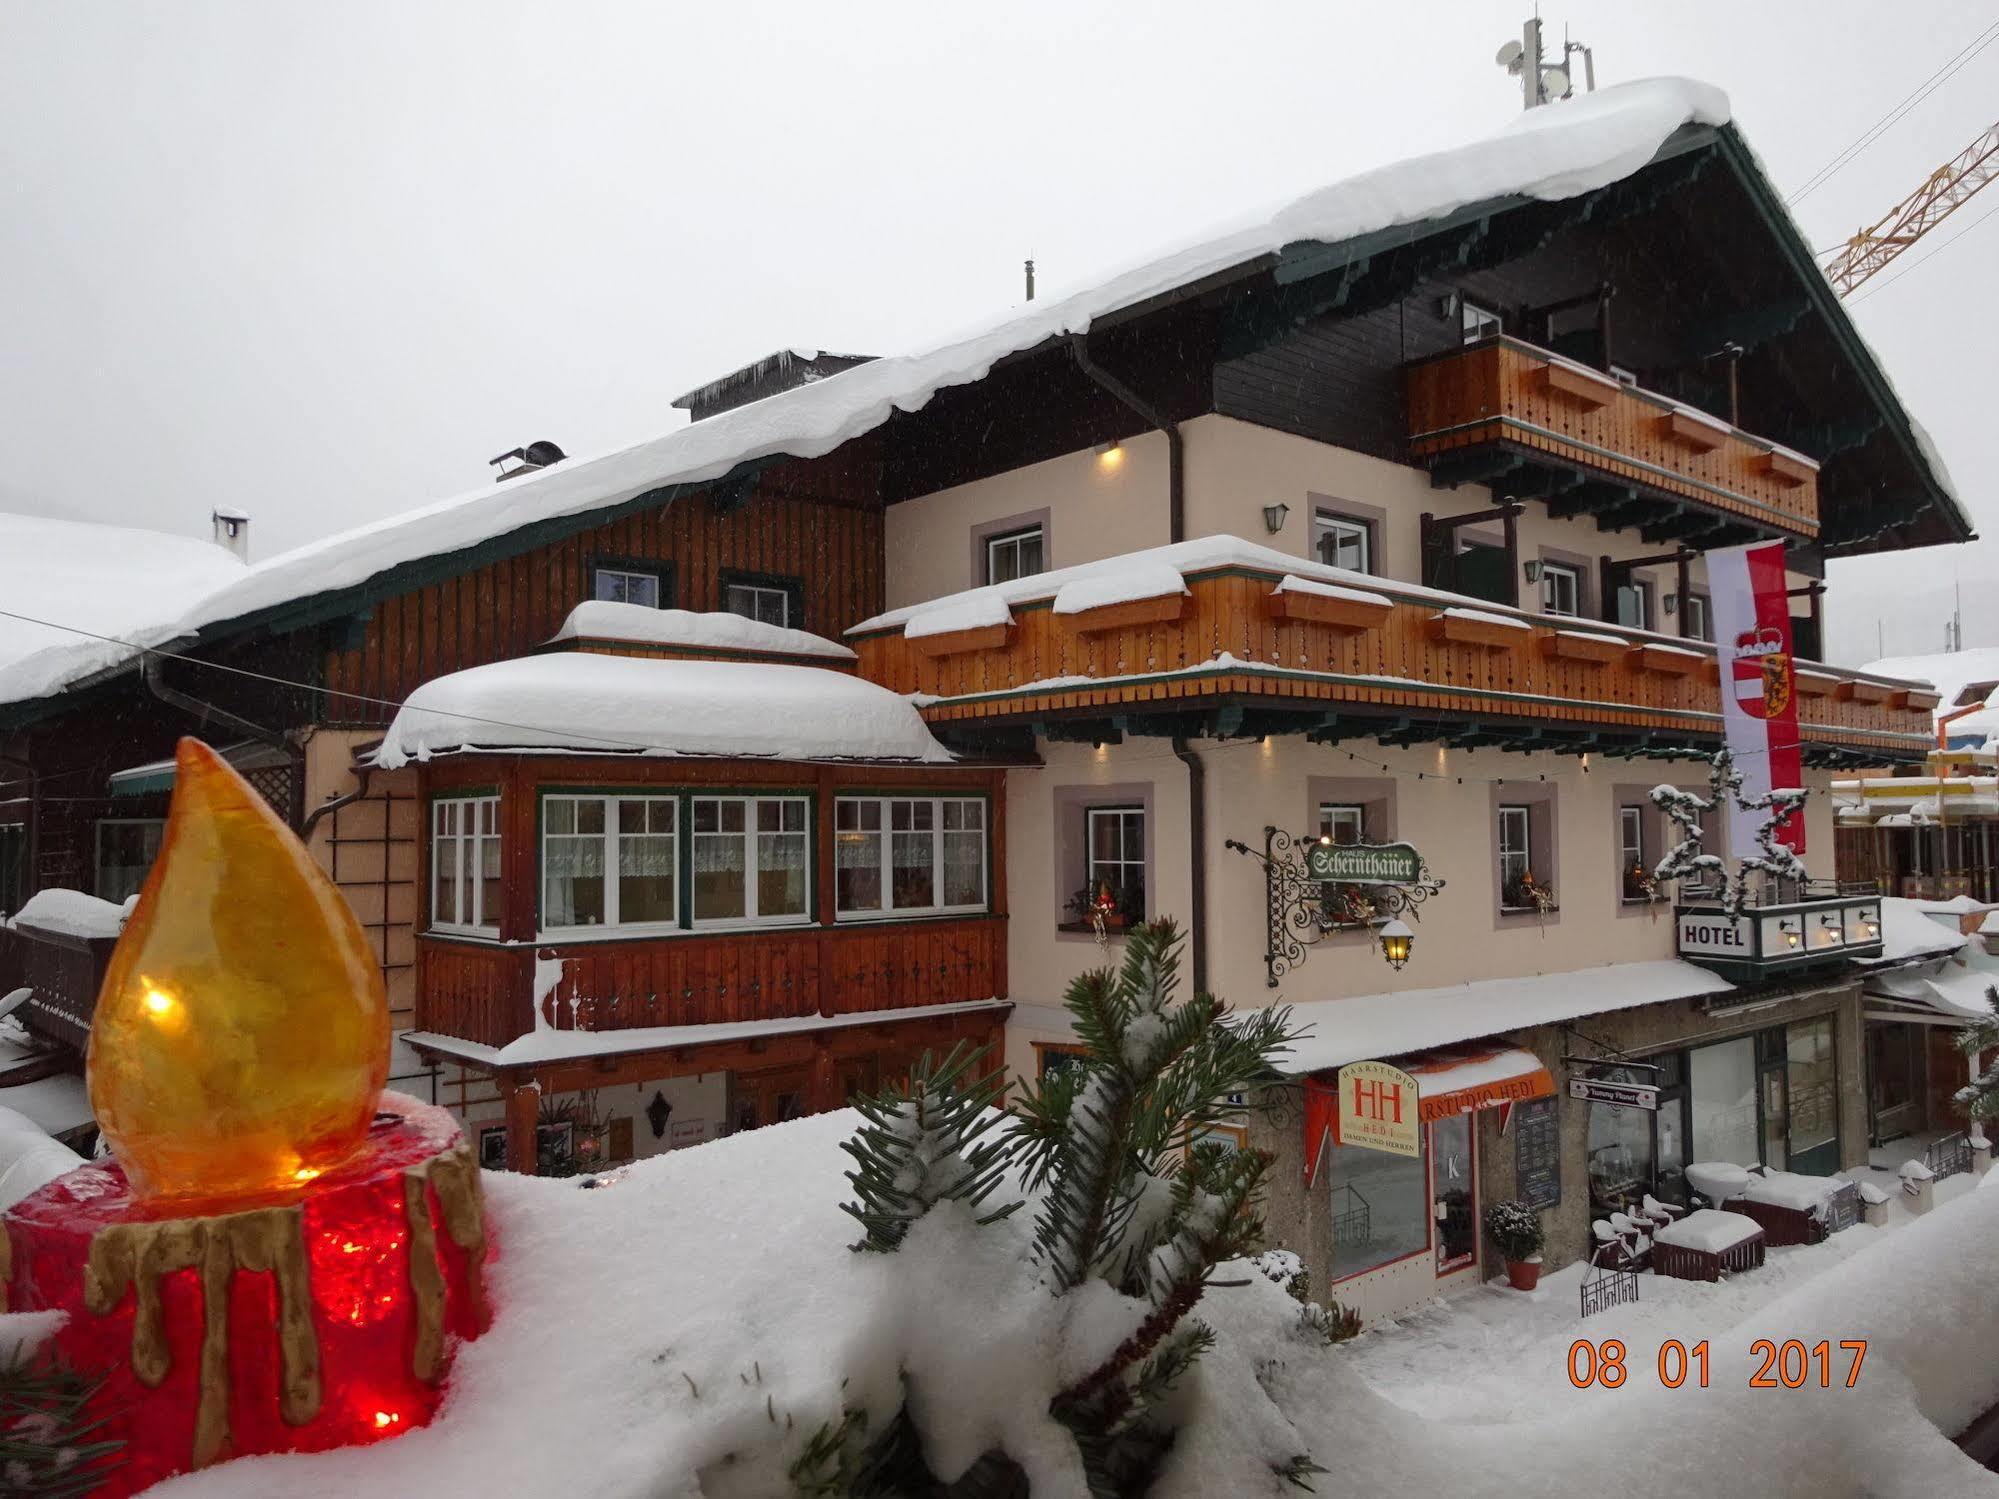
[(1813, 1074), (1453, 1193)]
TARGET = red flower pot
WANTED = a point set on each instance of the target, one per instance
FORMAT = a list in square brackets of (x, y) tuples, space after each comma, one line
[(1524, 1275)]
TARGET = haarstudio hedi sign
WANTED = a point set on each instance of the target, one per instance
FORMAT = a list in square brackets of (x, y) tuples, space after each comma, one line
[(1364, 863)]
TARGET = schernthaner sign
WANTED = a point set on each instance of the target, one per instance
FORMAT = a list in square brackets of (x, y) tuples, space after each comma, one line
[(1364, 863)]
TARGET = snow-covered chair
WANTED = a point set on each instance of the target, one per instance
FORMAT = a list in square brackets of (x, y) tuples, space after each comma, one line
[(1659, 1213), (1619, 1248)]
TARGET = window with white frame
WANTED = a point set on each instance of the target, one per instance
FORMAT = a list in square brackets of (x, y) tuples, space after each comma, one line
[(750, 858), (1516, 858), (465, 863), (609, 861), (1114, 855), (1632, 873), (909, 854), (1697, 626), (1016, 554), (620, 585), (1634, 605), (1476, 322), (767, 603), (1343, 822), (1341, 541), (1561, 589), (126, 848)]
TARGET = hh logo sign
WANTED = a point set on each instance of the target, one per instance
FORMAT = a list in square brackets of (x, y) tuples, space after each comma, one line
[(1379, 1108)]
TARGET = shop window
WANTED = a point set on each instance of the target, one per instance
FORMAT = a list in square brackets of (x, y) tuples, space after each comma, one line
[(1721, 1092), (764, 598), (126, 848), (750, 857), (1342, 541), (1454, 1192), (465, 864), (1380, 1207), (609, 861), (1894, 1078), (1623, 1160), (1113, 865), (622, 584), (1561, 589), (908, 855), (1016, 554), (1812, 1083)]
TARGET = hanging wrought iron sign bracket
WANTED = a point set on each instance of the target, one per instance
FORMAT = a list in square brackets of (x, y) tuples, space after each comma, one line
[(1313, 887)]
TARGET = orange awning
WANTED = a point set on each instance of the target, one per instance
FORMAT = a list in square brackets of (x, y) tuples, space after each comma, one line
[(1460, 1079)]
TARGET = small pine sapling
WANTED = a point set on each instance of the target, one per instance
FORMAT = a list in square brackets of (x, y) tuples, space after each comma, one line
[(933, 1140)]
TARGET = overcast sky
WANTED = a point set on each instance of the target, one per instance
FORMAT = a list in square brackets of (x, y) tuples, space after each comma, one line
[(322, 261)]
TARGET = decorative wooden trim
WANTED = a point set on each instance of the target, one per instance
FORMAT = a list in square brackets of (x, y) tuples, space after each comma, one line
[(1667, 661), (1922, 702), (1457, 630), (1815, 684), (1566, 646), (1853, 690), (1586, 388), (1691, 431), (1348, 616), (957, 642), (1784, 469), (1161, 610)]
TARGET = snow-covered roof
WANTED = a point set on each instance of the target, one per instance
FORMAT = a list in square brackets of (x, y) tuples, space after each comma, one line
[(1548, 154), (639, 705), (1912, 930), (1371, 1026), (105, 579), (1953, 674), (597, 619)]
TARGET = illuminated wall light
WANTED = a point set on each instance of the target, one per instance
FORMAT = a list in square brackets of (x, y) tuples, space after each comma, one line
[(1110, 455)]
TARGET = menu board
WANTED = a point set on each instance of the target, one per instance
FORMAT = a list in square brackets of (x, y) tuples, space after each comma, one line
[(1537, 1153)]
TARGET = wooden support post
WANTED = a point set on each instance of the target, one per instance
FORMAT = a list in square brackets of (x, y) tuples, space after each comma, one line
[(1511, 523), (523, 1110), (1683, 582)]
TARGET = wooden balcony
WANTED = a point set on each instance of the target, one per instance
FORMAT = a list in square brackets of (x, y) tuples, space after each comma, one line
[(1484, 411), (62, 973), (483, 992), (1243, 657)]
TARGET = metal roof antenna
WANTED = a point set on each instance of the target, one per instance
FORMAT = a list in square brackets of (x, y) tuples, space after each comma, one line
[(1030, 278), (1543, 82)]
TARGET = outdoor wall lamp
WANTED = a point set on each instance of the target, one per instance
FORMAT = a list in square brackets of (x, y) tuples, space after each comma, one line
[(1273, 517), (1397, 937), (1533, 571), (1672, 603)]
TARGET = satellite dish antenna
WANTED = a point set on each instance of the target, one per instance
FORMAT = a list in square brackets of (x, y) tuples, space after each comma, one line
[(1555, 82), (1508, 56)]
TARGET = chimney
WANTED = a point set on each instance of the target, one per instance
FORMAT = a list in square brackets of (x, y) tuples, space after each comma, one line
[(231, 530), (526, 460)]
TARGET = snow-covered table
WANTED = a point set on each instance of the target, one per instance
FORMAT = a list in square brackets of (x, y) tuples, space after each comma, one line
[(1718, 1181), (1706, 1244), (1791, 1209)]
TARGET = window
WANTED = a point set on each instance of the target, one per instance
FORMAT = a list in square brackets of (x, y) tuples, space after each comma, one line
[(1721, 1088), (609, 861), (1633, 873), (1476, 322), (1016, 554), (1343, 822), (1634, 605), (1516, 859), (1339, 541), (1381, 1207), (622, 585), (909, 854), (750, 858), (1698, 626), (1114, 859), (126, 848), (770, 606), (465, 864), (1561, 589)]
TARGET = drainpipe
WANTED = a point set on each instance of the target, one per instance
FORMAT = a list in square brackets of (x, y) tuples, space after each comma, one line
[(1944, 719), (362, 775), (1197, 872), (1176, 494)]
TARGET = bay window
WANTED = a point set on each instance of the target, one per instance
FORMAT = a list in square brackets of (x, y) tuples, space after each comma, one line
[(750, 855), (465, 864), (909, 854), (609, 861)]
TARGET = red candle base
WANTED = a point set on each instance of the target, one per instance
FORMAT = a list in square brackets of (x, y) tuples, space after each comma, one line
[(315, 1319)]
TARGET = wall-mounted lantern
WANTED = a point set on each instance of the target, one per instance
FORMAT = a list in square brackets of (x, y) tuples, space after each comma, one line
[(1273, 517), (1397, 937)]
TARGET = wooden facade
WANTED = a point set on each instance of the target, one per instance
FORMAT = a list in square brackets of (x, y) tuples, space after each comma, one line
[(820, 530), (1501, 390), (1239, 637)]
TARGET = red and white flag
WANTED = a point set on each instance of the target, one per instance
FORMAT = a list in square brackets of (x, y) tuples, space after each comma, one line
[(1759, 699)]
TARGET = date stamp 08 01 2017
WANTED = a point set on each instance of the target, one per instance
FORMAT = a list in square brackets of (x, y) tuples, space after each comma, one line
[(1789, 1365)]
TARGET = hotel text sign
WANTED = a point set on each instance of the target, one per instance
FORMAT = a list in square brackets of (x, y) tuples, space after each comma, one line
[(1378, 1108), (1364, 863), (1715, 935)]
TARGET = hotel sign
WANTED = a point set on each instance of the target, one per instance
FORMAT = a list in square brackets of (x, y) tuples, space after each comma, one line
[(1617, 1095), (1379, 1108), (1364, 863), (1714, 934)]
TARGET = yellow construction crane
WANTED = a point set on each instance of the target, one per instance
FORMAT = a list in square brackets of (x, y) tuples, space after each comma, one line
[(1942, 193)]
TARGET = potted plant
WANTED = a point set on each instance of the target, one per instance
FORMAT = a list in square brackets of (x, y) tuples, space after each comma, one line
[(1516, 1229)]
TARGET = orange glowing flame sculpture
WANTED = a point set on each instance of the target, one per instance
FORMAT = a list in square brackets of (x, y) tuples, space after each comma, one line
[(242, 1036)]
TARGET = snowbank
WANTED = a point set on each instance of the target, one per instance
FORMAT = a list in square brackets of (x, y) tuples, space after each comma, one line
[(70, 913), (599, 619), (1908, 932), (635, 705), (1586, 144)]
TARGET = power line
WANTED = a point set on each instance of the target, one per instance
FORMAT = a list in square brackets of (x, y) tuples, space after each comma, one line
[(1874, 132)]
